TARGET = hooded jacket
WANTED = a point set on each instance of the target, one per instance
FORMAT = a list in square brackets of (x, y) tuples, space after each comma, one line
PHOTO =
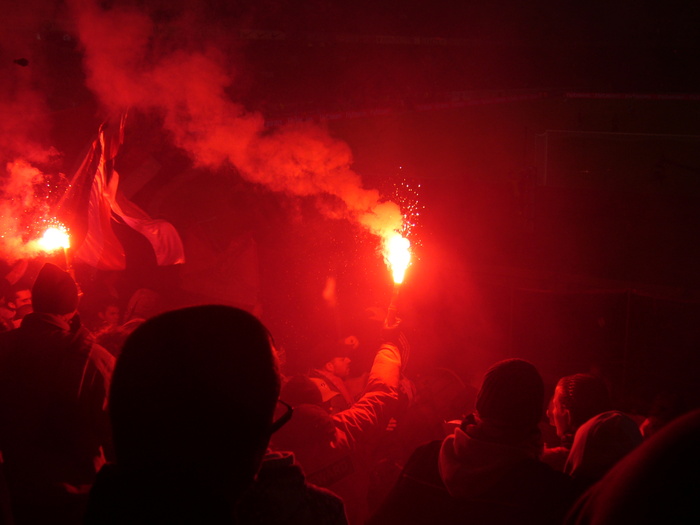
[(476, 481), (599, 444)]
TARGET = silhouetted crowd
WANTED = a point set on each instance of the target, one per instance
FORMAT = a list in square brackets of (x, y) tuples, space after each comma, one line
[(186, 416)]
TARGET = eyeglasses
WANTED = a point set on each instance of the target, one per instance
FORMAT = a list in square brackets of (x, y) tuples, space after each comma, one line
[(283, 419)]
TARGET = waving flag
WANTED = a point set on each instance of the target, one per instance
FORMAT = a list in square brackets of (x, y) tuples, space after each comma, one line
[(93, 203)]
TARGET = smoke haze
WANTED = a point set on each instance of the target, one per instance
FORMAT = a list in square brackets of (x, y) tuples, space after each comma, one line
[(175, 60), (24, 126), (186, 80)]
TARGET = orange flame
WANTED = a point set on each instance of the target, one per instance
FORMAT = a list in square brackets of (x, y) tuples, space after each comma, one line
[(54, 238), (397, 254)]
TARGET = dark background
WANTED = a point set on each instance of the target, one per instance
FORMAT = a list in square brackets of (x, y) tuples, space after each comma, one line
[(555, 146)]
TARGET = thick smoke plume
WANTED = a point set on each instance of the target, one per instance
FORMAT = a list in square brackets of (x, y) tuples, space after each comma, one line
[(24, 127), (23, 211), (133, 61)]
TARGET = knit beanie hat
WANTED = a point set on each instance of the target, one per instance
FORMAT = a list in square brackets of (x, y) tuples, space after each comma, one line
[(54, 291), (512, 395)]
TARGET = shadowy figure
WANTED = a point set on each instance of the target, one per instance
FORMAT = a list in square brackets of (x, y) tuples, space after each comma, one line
[(599, 444), (331, 371), (665, 407), (54, 429), (576, 399), (431, 407), (192, 405), (488, 471), (143, 304), (16, 304), (334, 449), (655, 483)]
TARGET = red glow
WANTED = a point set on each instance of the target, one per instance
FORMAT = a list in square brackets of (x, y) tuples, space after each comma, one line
[(54, 238), (397, 253)]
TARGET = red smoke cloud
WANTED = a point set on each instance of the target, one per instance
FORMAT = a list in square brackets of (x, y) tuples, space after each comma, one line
[(24, 112), (133, 62), (24, 211), (24, 125)]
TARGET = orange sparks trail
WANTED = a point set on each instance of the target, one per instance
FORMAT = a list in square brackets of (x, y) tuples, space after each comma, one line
[(396, 246)]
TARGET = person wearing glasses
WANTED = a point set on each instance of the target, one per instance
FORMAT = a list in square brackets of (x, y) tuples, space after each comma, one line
[(192, 405)]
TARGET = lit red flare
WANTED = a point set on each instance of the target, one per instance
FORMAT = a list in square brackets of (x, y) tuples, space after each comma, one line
[(397, 253), (54, 238)]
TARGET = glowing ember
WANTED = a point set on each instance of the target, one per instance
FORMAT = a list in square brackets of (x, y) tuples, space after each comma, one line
[(398, 255), (54, 238)]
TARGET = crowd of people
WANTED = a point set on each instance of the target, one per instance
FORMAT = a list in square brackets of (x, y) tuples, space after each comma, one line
[(187, 416)]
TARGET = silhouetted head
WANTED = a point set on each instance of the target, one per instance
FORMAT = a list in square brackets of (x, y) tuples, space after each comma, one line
[(54, 291), (650, 484), (143, 304), (510, 402), (193, 393), (599, 444), (577, 398), (512, 393)]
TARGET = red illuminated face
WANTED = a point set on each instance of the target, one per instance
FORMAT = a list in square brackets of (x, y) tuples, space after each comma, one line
[(111, 315), (340, 366), (22, 298), (559, 416)]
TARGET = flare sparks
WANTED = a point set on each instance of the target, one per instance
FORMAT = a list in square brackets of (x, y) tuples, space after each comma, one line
[(54, 238)]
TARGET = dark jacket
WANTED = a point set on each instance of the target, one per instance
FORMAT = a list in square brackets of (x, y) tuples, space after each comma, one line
[(54, 428), (466, 480), (279, 496), (655, 483), (334, 449)]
